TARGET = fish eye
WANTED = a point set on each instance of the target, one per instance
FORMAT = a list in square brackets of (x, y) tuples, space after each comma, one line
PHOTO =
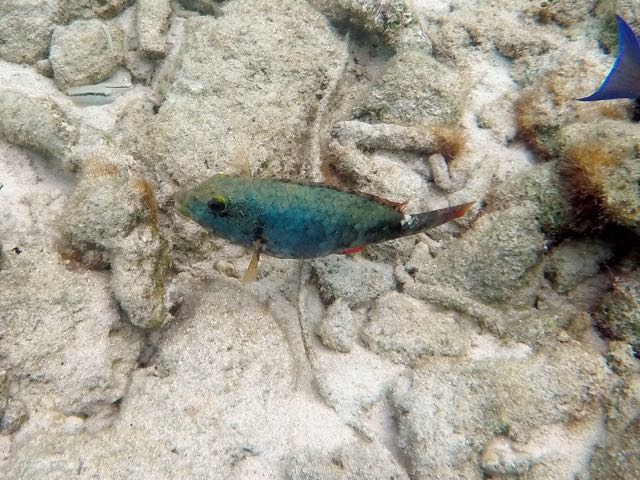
[(217, 204)]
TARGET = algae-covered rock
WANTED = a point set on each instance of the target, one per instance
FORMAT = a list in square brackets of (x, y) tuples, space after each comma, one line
[(15, 415), (354, 280), (88, 9), (619, 312), (139, 267), (415, 88), (448, 410), (606, 11), (619, 458), (549, 102), (152, 22), (573, 261), (407, 330), (493, 260), (77, 355), (206, 7), (25, 29), (355, 461), (602, 169), (337, 329), (565, 13), (542, 186), (392, 20), (232, 93), (85, 52), (113, 218), (618, 452)]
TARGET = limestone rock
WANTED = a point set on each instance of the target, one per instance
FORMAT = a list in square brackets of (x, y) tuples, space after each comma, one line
[(152, 22), (25, 29), (85, 52), (408, 330)]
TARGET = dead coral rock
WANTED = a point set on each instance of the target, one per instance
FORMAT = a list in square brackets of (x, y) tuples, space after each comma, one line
[(415, 88), (381, 175), (25, 29), (104, 208), (85, 52), (39, 124), (152, 22), (407, 330), (619, 312), (227, 368)]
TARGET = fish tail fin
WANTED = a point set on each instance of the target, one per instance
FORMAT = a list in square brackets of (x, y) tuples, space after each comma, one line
[(424, 221), (623, 80)]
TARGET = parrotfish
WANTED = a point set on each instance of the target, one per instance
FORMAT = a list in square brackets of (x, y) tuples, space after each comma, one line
[(290, 219), (623, 80)]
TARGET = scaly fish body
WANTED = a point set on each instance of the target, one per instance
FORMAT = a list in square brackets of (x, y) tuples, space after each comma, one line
[(300, 220)]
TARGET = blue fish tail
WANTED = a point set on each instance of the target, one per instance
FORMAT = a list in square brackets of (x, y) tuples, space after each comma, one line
[(623, 80)]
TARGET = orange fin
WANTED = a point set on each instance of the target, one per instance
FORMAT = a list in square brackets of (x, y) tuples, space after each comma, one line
[(420, 222), (350, 251), (459, 210), (398, 206)]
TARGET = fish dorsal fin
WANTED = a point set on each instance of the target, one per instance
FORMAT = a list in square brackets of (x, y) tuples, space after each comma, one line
[(240, 166), (400, 207), (623, 80)]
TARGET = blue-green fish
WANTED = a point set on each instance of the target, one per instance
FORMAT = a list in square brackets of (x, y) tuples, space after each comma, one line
[(289, 219)]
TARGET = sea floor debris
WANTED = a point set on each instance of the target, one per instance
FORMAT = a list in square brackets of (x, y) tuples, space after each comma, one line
[(502, 345)]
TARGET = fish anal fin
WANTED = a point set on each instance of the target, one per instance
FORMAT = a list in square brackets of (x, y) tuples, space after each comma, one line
[(252, 270), (350, 251)]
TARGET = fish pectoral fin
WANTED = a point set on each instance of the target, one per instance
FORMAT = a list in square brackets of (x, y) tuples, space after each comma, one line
[(240, 164), (252, 270)]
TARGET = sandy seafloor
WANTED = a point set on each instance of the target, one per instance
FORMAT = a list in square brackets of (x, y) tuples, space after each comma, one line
[(503, 345)]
